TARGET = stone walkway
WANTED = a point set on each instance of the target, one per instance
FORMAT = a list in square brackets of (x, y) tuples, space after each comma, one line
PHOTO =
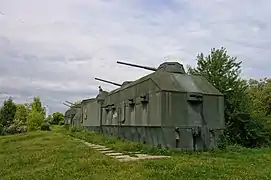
[(120, 156)]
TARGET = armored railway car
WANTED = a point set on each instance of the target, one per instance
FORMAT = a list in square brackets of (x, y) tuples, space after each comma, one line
[(73, 115), (166, 108)]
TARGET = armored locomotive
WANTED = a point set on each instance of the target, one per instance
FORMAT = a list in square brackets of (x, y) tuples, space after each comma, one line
[(166, 108)]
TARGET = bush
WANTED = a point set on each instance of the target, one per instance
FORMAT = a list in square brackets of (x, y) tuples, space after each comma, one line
[(34, 120), (61, 122), (248, 132), (74, 129), (15, 129), (57, 118), (45, 126), (223, 142), (2, 130), (22, 129), (12, 129), (49, 119)]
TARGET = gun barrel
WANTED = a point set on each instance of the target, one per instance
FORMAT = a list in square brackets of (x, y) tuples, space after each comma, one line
[(135, 65), (110, 82), (66, 105), (70, 103)]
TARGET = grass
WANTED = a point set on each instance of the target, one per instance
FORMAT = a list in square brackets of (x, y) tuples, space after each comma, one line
[(56, 155), (126, 147)]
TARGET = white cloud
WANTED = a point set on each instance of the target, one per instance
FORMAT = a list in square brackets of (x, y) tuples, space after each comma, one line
[(55, 48)]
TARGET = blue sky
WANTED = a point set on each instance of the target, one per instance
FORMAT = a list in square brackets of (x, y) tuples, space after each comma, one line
[(54, 49)]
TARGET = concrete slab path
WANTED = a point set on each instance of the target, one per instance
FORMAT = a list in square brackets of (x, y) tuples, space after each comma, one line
[(120, 156)]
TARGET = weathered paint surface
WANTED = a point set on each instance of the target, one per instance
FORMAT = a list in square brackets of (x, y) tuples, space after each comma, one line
[(164, 108), (90, 112), (73, 116)]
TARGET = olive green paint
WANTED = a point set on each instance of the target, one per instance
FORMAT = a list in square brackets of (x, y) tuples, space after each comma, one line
[(167, 108)]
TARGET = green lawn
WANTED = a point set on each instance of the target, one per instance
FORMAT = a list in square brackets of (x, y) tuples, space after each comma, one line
[(55, 155)]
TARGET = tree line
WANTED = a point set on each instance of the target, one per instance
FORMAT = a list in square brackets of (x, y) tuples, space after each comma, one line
[(20, 118)]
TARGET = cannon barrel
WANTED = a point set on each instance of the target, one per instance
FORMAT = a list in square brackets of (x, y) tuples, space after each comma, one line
[(70, 103), (66, 105), (139, 66), (110, 82)]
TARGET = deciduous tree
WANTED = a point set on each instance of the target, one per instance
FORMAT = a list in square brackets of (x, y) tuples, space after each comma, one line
[(57, 117), (259, 92), (223, 71), (21, 114), (7, 112)]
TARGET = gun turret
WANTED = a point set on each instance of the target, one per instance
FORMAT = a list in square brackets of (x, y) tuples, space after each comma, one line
[(110, 82), (135, 65)]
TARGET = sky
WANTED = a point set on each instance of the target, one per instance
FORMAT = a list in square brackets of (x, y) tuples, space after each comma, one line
[(54, 49)]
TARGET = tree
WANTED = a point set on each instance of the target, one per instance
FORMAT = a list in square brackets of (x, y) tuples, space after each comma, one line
[(57, 118), (28, 106), (260, 97), (36, 116), (36, 105), (7, 112), (21, 114), (34, 120), (223, 71)]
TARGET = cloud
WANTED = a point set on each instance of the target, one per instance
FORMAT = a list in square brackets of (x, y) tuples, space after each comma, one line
[(54, 49)]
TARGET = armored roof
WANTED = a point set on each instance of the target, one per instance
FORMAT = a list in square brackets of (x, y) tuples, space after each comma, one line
[(176, 82), (87, 100)]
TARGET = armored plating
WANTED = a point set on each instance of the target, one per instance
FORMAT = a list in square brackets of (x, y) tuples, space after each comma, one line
[(166, 108)]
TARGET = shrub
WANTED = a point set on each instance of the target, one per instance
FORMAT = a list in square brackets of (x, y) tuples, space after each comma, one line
[(34, 120), (48, 119), (61, 122), (15, 129), (22, 129), (248, 132), (2, 129), (74, 129), (223, 141), (57, 118), (45, 126), (12, 129)]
